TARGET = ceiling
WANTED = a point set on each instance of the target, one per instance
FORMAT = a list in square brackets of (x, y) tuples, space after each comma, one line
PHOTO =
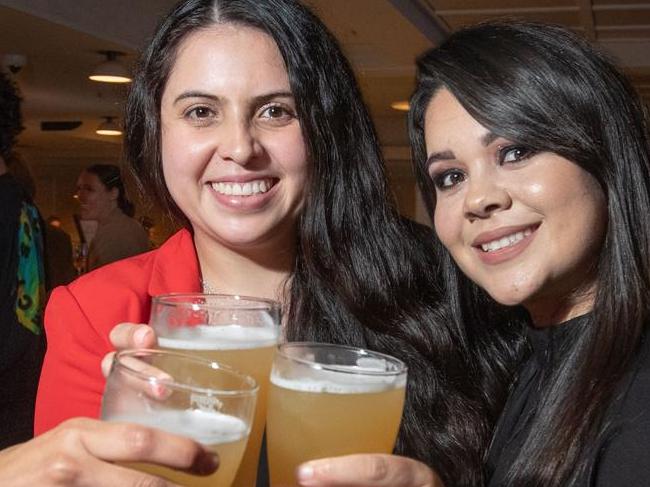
[(381, 37)]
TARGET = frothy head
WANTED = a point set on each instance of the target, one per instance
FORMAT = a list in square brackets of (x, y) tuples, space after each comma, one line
[(339, 383), (206, 427), (207, 337)]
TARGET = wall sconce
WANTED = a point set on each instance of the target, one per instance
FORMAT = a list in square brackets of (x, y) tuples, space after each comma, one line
[(111, 70), (109, 127)]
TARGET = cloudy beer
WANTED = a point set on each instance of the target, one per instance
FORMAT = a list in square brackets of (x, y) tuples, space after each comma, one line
[(240, 332), (185, 395), (349, 405), (225, 435)]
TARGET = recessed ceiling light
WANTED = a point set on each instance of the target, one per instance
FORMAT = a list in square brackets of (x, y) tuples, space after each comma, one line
[(109, 127), (111, 70), (402, 106)]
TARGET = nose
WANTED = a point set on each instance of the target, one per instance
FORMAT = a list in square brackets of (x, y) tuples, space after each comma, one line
[(237, 142), (484, 197)]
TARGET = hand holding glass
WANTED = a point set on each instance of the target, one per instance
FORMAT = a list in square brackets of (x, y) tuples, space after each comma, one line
[(330, 400), (187, 396)]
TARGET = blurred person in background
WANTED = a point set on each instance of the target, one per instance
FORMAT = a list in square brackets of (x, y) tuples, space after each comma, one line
[(59, 268), (102, 197), (22, 283)]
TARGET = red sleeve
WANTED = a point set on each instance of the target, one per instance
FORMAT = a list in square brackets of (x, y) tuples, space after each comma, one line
[(71, 382)]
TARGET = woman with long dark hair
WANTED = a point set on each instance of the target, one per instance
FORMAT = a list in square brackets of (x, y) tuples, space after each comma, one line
[(102, 198), (246, 123), (532, 151)]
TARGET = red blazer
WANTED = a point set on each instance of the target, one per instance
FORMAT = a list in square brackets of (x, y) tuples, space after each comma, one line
[(80, 316)]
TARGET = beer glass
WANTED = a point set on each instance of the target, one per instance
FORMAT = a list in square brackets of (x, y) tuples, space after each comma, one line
[(242, 332), (330, 400), (189, 396)]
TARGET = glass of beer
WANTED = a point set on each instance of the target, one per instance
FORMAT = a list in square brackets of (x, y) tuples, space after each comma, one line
[(330, 400), (239, 331), (185, 395)]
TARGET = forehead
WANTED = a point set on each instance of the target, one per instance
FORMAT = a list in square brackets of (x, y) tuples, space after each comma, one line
[(88, 178), (227, 56), (446, 121)]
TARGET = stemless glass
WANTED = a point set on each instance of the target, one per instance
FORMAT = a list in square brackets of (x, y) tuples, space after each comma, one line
[(329, 400), (189, 396), (240, 331)]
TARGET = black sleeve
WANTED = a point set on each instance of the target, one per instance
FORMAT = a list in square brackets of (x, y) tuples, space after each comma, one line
[(10, 203)]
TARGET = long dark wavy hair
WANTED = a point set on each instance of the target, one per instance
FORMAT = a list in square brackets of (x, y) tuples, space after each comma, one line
[(362, 275), (11, 120), (110, 176), (546, 88)]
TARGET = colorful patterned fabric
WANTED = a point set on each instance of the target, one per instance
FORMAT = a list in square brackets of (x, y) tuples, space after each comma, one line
[(31, 271)]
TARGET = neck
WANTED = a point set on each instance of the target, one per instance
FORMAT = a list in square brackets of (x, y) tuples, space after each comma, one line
[(104, 217), (551, 312), (259, 272)]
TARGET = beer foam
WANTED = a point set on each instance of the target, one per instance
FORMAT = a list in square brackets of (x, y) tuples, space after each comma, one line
[(336, 383), (231, 337), (206, 427)]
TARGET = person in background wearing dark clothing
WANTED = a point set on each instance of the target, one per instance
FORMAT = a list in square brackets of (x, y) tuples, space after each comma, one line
[(59, 268), (102, 197), (22, 285)]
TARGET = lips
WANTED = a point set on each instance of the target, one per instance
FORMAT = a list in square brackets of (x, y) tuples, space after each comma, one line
[(504, 243), (244, 194), (248, 188)]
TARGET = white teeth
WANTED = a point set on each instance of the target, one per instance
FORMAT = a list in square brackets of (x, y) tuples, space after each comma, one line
[(245, 189), (506, 241)]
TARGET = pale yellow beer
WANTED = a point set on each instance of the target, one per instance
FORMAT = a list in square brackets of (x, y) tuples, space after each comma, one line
[(316, 412), (248, 349), (223, 434)]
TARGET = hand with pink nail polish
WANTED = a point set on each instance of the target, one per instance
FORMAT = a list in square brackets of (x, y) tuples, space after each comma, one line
[(367, 470)]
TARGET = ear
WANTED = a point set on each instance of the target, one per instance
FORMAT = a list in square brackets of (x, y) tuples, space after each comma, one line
[(114, 193)]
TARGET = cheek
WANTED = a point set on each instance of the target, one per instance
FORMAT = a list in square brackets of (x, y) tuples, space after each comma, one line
[(446, 225)]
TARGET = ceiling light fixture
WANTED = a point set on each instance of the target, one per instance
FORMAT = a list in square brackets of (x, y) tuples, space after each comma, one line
[(111, 70), (402, 106), (109, 127)]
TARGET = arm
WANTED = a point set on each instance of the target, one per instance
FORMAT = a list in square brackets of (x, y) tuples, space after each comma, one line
[(368, 470), (71, 381)]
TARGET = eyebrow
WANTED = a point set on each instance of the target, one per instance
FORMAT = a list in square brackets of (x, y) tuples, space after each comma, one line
[(447, 155), (257, 100)]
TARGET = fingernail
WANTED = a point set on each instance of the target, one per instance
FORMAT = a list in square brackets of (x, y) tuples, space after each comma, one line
[(207, 463), (140, 335), (305, 474)]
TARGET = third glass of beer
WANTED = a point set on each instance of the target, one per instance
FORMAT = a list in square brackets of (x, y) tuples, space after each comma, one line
[(330, 400), (236, 330)]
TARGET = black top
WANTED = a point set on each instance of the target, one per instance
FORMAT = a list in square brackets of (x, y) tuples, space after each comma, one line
[(623, 457)]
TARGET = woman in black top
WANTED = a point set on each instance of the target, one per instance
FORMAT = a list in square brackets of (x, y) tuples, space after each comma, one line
[(533, 151)]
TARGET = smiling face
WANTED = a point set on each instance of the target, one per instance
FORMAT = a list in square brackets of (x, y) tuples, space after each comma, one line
[(525, 226), (234, 159), (95, 200)]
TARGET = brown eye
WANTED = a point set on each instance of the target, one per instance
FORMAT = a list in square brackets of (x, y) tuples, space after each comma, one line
[(513, 154), (448, 179)]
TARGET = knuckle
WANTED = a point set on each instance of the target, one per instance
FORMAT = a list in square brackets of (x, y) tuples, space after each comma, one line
[(377, 469), (62, 469), (139, 441)]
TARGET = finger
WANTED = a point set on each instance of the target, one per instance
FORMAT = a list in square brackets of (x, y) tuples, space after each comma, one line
[(91, 472), (367, 470), (107, 363), (126, 442), (133, 335)]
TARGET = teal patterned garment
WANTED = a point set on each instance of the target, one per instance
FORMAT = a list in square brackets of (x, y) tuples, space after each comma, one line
[(31, 271)]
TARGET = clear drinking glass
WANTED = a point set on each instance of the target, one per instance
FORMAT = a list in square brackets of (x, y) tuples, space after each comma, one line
[(189, 396), (329, 400), (240, 331)]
